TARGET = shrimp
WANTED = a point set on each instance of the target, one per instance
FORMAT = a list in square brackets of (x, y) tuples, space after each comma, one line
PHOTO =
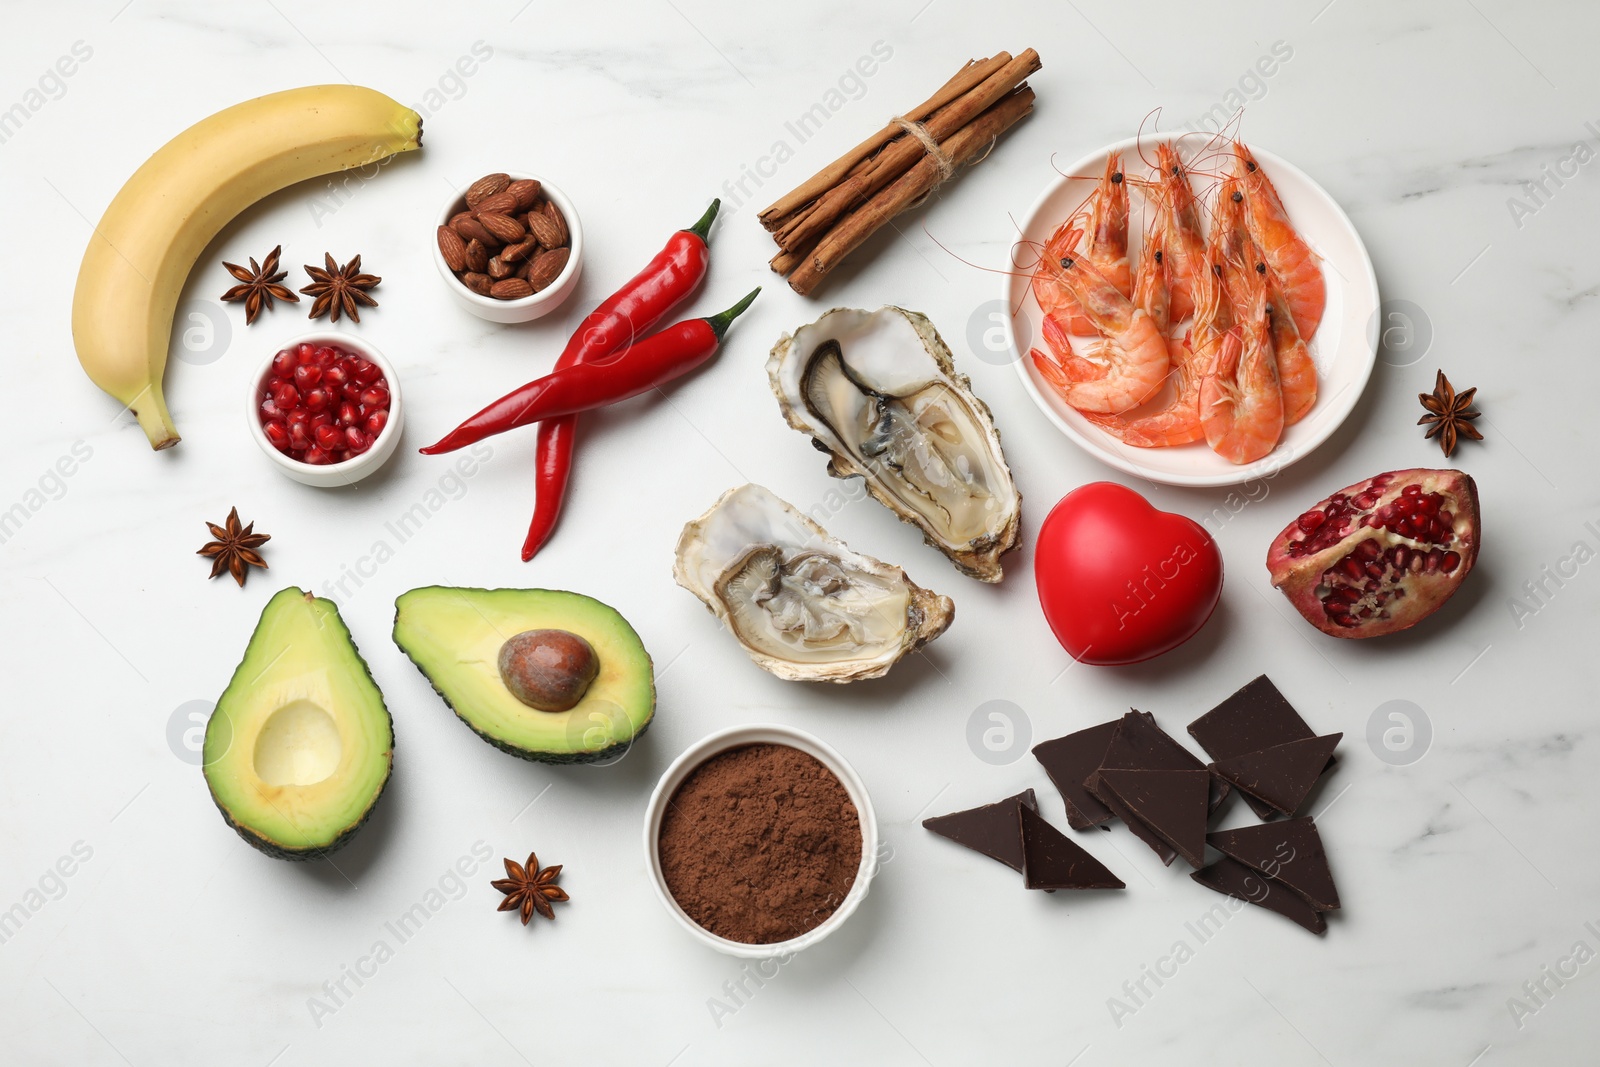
[(1178, 421), (1297, 374), (1241, 405), (1283, 249), (1185, 247), (1107, 248), (1132, 352)]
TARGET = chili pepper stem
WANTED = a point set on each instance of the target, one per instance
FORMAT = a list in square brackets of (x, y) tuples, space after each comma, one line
[(702, 228), (720, 322)]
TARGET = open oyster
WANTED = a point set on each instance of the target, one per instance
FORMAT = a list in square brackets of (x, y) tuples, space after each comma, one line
[(803, 605), (877, 391)]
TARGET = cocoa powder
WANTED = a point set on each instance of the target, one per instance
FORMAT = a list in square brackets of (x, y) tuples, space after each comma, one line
[(760, 844)]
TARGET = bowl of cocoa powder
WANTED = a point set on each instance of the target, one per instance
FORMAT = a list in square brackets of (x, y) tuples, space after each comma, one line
[(760, 840)]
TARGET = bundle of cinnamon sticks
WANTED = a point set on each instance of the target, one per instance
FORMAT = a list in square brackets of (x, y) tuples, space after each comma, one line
[(827, 217)]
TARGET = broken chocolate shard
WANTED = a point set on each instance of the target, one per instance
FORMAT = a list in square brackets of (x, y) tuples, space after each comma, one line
[(1254, 718), (991, 829), (1287, 852), (1233, 878), (1052, 861), (1140, 744), (1283, 775), (1069, 761), (1170, 804)]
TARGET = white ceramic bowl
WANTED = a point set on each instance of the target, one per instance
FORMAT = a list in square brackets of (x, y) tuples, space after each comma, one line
[(528, 308), (1345, 346), (351, 470), (736, 737)]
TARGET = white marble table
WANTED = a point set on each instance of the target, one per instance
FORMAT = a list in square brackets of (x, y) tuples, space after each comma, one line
[(1469, 876)]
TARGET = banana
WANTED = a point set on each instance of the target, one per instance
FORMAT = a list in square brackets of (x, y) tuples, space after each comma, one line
[(172, 207)]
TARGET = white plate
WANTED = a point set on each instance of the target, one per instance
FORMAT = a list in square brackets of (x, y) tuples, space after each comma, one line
[(1344, 348)]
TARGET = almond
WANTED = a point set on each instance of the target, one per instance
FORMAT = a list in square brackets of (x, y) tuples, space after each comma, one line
[(525, 191), (499, 268), (478, 283), (486, 186), (475, 230), (500, 203), (453, 249), (553, 213), (477, 257), (547, 266), (522, 250), (511, 289), (506, 229), (457, 217), (548, 233)]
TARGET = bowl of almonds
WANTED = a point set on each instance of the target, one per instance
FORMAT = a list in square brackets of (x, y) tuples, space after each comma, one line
[(509, 246)]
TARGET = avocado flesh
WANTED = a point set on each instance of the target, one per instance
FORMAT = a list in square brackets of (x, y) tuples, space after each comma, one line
[(454, 636), (299, 747)]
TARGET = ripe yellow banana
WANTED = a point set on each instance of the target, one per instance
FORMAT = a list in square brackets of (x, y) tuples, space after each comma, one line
[(173, 206)]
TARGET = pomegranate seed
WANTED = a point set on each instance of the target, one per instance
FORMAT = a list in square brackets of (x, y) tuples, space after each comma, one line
[(316, 456), (1365, 500), (277, 433), (1311, 520), (285, 396), (376, 422), (375, 396), (1446, 520), (328, 438), (306, 375), (1451, 561), (335, 376), (351, 391), (283, 364), (356, 440), (299, 438), (305, 353), (348, 414), (365, 371), (320, 418), (270, 410), (326, 355), (317, 399)]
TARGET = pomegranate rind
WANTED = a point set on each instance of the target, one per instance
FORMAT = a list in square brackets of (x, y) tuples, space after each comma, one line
[(1299, 560)]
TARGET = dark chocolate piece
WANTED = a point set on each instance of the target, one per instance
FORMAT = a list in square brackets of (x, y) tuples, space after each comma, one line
[(1255, 717), (1233, 878), (991, 829), (1171, 804), (1069, 761), (1052, 861), (1140, 744), (1280, 776), (1287, 852)]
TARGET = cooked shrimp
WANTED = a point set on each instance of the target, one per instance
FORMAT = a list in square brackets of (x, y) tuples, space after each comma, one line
[(1286, 253), (1055, 300), (1185, 247), (1131, 349), (1241, 405), (1107, 247)]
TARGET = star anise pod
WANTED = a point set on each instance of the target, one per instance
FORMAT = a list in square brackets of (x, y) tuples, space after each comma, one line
[(339, 289), (1449, 414), (234, 548), (259, 285), (530, 888)]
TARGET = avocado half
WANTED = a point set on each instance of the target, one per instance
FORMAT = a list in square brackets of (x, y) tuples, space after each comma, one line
[(454, 636), (299, 747)]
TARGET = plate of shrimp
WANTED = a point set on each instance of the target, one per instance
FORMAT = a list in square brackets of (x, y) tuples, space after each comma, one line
[(1192, 310)]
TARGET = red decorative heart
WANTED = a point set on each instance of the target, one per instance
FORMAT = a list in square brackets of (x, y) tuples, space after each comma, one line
[(1120, 581)]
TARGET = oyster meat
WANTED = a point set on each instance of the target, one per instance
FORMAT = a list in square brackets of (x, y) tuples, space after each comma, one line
[(878, 392), (803, 605)]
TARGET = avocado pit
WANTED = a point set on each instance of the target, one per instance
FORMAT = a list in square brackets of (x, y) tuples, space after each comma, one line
[(549, 670)]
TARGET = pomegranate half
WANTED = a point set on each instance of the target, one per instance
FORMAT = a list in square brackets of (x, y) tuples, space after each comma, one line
[(1379, 556)]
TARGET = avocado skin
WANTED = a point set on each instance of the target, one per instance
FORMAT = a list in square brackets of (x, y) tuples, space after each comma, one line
[(268, 847), (598, 756)]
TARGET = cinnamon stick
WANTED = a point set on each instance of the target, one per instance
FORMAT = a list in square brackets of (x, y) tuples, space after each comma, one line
[(858, 225), (968, 76), (901, 155)]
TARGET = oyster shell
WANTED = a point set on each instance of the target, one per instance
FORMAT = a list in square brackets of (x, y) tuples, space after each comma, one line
[(878, 392), (803, 605)]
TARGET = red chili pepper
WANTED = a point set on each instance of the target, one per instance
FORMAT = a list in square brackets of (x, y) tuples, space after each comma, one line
[(650, 363)]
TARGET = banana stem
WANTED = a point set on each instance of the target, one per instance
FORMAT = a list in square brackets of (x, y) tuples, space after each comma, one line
[(150, 408)]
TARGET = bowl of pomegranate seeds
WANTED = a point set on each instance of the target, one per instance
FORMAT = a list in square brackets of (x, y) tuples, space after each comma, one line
[(326, 409)]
